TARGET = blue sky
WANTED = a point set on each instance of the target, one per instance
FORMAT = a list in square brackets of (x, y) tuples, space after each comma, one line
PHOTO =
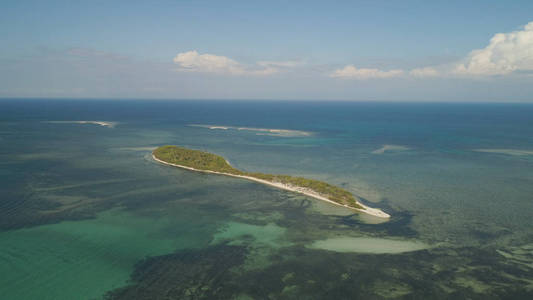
[(328, 50)]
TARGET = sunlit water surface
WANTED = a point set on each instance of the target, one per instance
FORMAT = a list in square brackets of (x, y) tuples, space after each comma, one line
[(85, 213)]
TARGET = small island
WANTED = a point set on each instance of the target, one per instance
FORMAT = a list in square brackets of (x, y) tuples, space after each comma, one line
[(201, 161)]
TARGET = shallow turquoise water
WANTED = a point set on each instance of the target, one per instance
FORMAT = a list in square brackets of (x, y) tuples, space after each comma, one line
[(90, 257), (85, 212)]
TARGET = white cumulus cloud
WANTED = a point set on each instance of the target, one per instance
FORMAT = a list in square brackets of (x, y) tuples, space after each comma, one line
[(506, 53), (350, 71), (192, 61)]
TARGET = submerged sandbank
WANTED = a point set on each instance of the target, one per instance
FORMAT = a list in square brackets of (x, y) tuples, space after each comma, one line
[(368, 245), (387, 148), (516, 152), (147, 148)]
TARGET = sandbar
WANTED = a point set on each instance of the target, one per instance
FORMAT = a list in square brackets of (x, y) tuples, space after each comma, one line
[(259, 131), (100, 123)]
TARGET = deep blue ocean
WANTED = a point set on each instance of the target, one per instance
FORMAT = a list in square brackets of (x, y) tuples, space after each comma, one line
[(85, 213)]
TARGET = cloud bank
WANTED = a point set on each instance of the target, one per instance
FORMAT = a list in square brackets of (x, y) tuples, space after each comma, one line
[(192, 61), (424, 72), (507, 53), (282, 64), (350, 71)]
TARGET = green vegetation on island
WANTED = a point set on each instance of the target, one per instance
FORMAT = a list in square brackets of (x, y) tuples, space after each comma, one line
[(206, 161)]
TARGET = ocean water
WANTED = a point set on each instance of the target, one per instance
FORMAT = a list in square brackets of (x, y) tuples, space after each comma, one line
[(85, 213)]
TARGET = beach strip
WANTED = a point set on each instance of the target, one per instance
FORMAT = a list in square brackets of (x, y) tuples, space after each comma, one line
[(367, 210)]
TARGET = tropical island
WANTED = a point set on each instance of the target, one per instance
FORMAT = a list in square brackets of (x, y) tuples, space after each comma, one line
[(206, 162)]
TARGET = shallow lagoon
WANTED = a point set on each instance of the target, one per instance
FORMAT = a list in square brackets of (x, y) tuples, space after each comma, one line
[(85, 212), (88, 257)]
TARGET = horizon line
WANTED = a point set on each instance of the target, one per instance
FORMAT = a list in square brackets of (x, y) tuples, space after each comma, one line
[(271, 100)]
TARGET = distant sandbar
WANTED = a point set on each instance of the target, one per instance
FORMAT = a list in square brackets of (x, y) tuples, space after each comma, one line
[(101, 123), (387, 148), (516, 152), (259, 131)]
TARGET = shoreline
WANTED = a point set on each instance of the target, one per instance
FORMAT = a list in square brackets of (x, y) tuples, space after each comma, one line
[(366, 209)]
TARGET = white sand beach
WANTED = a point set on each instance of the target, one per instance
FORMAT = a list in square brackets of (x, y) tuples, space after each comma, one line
[(368, 210)]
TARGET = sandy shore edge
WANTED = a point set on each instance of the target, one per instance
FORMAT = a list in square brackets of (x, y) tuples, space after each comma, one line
[(367, 210)]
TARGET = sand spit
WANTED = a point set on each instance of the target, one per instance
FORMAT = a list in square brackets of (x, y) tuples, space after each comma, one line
[(368, 210), (259, 131)]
